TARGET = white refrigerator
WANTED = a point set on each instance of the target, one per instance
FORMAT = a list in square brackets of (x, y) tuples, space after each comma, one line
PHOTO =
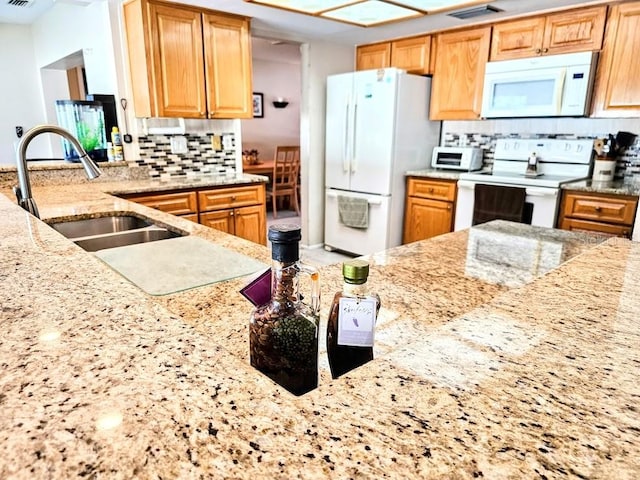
[(377, 128)]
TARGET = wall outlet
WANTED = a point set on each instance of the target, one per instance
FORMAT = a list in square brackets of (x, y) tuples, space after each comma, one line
[(227, 142), (179, 144)]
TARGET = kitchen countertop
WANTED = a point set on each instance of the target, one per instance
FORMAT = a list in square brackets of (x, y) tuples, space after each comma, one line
[(614, 187), (435, 173), (481, 369)]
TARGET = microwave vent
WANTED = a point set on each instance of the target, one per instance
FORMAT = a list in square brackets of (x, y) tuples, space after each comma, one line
[(474, 12)]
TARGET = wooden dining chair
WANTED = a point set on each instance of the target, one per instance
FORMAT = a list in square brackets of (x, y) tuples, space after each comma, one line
[(284, 183)]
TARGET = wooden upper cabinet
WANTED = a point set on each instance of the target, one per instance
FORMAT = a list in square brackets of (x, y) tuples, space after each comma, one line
[(565, 32), (373, 56), (617, 90), (458, 76), (227, 50), (412, 54), (175, 58), (517, 39)]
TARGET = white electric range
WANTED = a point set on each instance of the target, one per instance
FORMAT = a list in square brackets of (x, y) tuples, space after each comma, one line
[(540, 166)]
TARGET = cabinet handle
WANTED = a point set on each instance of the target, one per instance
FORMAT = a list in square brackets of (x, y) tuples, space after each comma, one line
[(626, 233), (538, 51), (448, 207), (545, 50), (233, 198), (231, 214), (598, 208)]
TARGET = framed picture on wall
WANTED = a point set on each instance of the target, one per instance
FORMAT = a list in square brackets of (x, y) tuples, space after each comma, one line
[(257, 105)]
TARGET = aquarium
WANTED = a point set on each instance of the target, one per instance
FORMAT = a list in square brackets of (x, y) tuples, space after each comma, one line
[(85, 121)]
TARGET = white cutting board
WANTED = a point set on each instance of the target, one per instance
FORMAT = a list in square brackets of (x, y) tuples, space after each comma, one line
[(176, 264)]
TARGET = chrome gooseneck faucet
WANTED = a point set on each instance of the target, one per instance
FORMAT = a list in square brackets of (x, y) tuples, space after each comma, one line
[(23, 190)]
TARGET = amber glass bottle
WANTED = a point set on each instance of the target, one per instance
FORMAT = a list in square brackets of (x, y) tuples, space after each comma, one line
[(351, 321)]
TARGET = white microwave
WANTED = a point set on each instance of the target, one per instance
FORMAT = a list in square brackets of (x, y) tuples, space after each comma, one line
[(457, 158), (548, 86)]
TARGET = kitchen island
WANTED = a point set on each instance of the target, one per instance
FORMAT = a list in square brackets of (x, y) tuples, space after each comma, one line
[(503, 351)]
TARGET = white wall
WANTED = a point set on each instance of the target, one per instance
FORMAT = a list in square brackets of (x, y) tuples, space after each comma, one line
[(66, 29), (20, 93), (279, 126), (318, 61)]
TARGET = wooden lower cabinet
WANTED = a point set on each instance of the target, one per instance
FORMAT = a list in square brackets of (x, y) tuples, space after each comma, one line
[(239, 209), (245, 222), (429, 209), (178, 203), (597, 212)]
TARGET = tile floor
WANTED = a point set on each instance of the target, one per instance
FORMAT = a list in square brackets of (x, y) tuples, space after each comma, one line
[(312, 256)]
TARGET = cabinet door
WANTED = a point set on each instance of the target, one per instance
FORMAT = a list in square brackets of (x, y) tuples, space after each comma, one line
[(251, 224), (517, 39), (221, 220), (227, 50), (459, 74), (373, 56), (412, 54), (574, 31), (179, 203), (176, 42), (617, 92), (426, 218)]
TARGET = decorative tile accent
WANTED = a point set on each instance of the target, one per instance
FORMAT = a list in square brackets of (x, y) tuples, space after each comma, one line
[(627, 166), (201, 158)]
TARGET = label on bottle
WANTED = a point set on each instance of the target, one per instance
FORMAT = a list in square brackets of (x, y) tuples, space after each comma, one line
[(356, 321)]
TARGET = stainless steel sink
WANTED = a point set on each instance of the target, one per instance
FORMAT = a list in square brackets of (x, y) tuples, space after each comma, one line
[(93, 234), (99, 226)]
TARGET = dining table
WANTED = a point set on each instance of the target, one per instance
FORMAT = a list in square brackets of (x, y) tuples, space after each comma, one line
[(261, 168)]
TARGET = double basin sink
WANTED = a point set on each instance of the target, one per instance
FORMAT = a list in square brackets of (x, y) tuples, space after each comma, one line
[(115, 230)]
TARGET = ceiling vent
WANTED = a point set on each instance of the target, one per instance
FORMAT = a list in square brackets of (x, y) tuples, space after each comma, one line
[(474, 12), (20, 3)]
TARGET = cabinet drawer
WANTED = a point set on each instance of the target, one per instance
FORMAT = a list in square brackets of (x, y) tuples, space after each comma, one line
[(586, 226), (230, 197), (435, 189), (180, 203), (612, 209)]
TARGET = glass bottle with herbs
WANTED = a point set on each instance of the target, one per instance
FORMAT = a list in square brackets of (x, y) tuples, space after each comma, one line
[(283, 334), (352, 318)]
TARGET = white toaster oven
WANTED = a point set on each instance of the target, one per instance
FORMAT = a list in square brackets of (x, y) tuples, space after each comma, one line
[(457, 158)]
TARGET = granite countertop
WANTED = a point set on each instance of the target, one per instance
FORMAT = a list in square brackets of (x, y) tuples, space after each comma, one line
[(503, 351), (614, 187), (435, 173)]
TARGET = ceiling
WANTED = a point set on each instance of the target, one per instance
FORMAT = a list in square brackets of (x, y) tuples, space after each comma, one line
[(271, 22)]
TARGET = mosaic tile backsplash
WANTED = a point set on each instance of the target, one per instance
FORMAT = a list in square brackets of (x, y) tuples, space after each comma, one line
[(627, 167), (201, 158)]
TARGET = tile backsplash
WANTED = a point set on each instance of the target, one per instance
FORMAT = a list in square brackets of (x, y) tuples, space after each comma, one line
[(200, 158), (628, 162)]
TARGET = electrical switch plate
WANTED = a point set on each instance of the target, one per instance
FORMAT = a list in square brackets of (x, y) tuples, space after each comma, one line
[(179, 144), (227, 142), (216, 143)]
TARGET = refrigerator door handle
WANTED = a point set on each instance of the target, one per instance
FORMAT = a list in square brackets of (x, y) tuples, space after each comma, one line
[(345, 150), (370, 201), (354, 162)]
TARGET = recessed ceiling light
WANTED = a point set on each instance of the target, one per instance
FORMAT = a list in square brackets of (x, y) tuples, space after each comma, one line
[(366, 13), (371, 13)]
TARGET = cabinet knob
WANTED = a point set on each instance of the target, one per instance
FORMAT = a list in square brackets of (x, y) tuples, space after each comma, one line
[(545, 50), (231, 214), (538, 51), (598, 208), (233, 198), (448, 207)]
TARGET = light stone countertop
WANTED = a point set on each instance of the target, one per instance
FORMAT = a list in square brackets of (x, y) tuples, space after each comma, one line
[(485, 365), (614, 187), (435, 173)]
